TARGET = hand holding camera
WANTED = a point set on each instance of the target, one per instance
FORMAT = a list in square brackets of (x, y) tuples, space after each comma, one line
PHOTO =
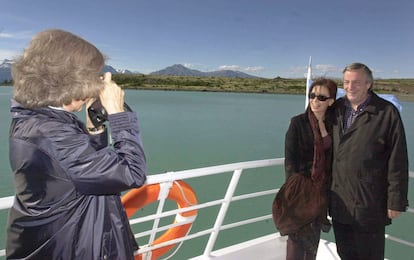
[(112, 96), (111, 101)]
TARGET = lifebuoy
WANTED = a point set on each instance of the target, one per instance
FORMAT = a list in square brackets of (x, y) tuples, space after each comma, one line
[(181, 193)]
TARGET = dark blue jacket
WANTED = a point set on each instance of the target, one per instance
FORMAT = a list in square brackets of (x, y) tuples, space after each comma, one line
[(68, 183)]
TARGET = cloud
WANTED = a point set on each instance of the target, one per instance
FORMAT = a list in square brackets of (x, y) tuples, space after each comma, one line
[(7, 54), (229, 67), (325, 68), (239, 68), (317, 70), (16, 35), (12, 43), (6, 35), (296, 71), (196, 66), (376, 71), (188, 65), (255, 69)]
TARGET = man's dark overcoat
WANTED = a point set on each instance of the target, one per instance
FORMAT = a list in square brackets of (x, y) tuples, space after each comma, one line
[(370, 165)]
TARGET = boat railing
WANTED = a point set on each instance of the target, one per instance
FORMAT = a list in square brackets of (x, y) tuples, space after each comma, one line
[(236, 170)]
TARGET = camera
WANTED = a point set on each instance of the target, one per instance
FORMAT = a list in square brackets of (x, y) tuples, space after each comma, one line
[(98, 114)]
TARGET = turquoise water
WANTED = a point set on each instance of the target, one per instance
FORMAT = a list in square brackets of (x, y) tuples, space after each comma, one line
[(184, 130)]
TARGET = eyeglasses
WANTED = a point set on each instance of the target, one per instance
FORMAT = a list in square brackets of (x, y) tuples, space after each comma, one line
[(319, 97)]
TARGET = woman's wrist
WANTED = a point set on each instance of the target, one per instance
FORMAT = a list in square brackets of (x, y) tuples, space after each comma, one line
[(96, 130)]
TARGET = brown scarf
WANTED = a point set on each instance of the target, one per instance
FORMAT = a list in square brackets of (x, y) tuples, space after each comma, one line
[(318, 168)]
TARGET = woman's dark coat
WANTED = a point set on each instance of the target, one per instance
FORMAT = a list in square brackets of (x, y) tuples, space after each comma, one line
[(68, 184), (299, 159), (370, 166), (299, 145)]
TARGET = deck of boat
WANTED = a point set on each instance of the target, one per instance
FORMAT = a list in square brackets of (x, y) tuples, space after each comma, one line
[(270, 247), (261, 247)]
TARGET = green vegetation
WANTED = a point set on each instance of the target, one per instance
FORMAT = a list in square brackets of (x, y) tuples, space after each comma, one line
[(6, 83), (218, 84), (402, 88)]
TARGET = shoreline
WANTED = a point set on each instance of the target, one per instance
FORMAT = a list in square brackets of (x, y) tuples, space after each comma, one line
[(400, 96), (405, 97)]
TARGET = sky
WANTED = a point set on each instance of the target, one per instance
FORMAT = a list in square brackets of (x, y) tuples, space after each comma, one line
[(260, 37)]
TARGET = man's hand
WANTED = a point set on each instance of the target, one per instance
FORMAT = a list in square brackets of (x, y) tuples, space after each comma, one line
[(393, 213)]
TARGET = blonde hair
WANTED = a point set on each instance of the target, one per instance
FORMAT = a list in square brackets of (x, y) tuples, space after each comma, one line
[(56, 68)]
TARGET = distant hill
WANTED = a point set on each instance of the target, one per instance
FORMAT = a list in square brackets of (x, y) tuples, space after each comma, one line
[(174, 70), (108, 68), (180, 70), (229, 74), (5, 71)]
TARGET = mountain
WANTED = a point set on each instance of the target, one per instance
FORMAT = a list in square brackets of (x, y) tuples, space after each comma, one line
[(124, 71), (229, 74), (5, 71), (180, 70), (174, 70), (108, 68)]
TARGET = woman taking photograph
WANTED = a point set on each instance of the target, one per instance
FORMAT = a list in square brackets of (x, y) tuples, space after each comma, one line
[(67, 177)]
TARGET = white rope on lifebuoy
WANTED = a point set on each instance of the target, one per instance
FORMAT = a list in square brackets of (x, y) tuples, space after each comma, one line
[(178, 191)]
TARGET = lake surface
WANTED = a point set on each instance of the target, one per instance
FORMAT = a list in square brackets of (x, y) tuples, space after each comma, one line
[(185, 130)]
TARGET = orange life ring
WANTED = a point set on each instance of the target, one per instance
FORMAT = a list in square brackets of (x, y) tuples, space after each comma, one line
[(180, 192)]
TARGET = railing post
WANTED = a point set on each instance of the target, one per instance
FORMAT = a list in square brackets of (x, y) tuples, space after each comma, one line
[(223, 211), (162, 196)]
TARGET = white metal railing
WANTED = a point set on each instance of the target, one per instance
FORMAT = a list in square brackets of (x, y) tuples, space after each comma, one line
[(236, 169)]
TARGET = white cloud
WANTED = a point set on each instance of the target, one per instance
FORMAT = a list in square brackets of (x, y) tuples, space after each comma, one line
[(6, 35), (319, 70), (7, 54), (325, 68), (13, 43), (196, 66), (255, 69), (16, 35), (229, 67), (376, 71), (239, 68), (188, 65), (297, 70)]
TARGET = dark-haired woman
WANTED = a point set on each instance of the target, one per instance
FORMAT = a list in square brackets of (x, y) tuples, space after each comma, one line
[(308, 148)]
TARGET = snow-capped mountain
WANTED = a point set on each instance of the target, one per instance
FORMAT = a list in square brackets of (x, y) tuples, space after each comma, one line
[(5, 71)]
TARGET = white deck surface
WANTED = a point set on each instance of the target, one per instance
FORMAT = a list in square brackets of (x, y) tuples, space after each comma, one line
[(271, 247)]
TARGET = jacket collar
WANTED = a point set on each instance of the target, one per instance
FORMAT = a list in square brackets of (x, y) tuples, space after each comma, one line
[(18, 111)]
